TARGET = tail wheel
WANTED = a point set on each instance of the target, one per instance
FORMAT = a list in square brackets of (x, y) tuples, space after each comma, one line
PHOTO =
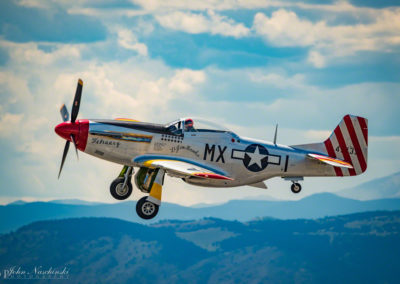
[(146, 209), (296, 187), (119, 191)]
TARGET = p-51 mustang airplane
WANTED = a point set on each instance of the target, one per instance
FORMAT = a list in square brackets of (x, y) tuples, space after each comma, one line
[(201, 153)]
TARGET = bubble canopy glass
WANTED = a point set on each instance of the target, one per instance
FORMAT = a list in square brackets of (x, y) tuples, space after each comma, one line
[(199, 125)]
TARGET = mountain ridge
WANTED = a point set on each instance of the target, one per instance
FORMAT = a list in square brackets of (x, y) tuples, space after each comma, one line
[(347, 248), (310, 207)]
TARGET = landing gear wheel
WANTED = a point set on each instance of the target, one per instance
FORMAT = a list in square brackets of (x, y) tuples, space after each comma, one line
[(296, 187), (146, 209), (118, 191)]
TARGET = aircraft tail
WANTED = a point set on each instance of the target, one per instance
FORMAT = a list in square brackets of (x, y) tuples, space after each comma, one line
[(348, 142)]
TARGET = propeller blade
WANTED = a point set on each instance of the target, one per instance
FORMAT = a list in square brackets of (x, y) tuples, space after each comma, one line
[(76, 150), (63, 157), (64, 113), (77, 101)]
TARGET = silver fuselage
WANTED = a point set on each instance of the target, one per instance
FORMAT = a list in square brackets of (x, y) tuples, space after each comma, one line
[(226, 152)]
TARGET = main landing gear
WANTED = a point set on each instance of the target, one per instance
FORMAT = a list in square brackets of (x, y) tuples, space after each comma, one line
[(148, 181), (121, 187), (146, 209), (151, 181), (295, 187)]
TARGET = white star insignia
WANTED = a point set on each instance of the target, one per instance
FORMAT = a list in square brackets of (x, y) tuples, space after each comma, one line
[(256, 157)]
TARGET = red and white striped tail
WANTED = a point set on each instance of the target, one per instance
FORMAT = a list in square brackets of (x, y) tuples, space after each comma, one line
[(349, 142)]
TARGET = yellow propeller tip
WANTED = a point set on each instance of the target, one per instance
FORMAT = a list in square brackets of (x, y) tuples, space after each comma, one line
[(80, 82)]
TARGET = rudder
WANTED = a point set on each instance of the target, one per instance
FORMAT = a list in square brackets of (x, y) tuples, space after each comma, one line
[(349, 142)]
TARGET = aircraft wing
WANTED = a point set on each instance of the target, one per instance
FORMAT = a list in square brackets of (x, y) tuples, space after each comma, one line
[(331, 161), (179, 167)]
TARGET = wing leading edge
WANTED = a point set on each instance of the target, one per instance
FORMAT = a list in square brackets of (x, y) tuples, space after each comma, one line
[(179, 167), (331, 161)]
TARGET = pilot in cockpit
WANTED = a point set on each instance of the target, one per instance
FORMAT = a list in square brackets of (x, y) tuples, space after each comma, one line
[(189, 125)]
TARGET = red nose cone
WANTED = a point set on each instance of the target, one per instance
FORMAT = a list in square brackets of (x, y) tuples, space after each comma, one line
[(79, 129), (65, 129)]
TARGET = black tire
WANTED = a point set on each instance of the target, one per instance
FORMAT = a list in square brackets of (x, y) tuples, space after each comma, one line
[(296, 187), (118, 192), (146, 209)]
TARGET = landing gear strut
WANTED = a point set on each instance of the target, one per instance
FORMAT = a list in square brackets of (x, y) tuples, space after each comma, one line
[(147, 207), (121, 187)]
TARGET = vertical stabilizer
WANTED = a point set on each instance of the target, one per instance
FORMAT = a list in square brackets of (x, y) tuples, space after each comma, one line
[(349, 142)]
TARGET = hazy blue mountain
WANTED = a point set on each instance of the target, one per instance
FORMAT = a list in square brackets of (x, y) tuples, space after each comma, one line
[(315, 206), (358, 248), (75, 202), (385, 187)]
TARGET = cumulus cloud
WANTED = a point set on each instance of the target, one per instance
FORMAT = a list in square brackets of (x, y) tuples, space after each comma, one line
[(128, 40), (199, 5), (316, 59), (285, 28), (184, 80), (31, 53), (195, 23), (9, 124), (278, 80)]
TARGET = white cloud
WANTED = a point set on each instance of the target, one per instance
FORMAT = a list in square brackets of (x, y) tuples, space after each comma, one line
[(185, 79), (128, 40), (198, 23), (278, 80), (153, 5), (285, 28), (9, 124), (31, 53), (15, 87), (316, 59), (33, 4)]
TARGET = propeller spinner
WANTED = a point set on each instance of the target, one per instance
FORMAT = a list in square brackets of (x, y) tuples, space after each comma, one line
[(75, 131)]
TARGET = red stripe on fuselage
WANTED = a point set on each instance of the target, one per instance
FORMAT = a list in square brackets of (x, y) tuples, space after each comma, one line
[(356, 144), (343, 147), (211, 175), (364, 128), (331, 153)]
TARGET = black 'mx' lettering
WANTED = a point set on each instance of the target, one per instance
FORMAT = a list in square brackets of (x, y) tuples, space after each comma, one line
[(221, 154)]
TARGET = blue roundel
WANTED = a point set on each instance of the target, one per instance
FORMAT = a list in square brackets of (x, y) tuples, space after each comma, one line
[(255, 157)]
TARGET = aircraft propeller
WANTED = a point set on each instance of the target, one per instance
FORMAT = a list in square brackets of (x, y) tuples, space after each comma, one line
[(65, 116)]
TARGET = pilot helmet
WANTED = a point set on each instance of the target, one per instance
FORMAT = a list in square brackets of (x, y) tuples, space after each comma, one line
[(189, 122)]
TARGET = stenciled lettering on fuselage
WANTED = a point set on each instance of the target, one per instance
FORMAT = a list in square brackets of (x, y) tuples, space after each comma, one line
[(255, 157), (100, 141), (187, 148), (210, 153)]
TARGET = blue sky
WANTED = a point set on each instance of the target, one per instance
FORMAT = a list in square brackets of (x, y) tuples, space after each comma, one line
[(245, 64)]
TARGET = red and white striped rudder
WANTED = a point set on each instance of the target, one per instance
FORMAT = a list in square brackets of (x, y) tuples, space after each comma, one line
[(349, 142)]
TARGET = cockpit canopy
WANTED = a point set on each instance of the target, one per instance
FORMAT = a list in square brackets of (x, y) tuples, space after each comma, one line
[(189, 124)]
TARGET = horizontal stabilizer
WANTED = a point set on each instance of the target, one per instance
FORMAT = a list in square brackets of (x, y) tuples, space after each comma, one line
[(331, 161)]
